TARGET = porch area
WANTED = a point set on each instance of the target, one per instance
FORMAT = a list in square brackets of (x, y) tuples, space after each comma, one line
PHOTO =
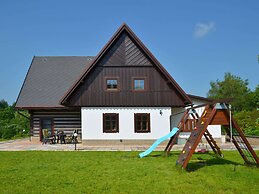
[(27, 145)]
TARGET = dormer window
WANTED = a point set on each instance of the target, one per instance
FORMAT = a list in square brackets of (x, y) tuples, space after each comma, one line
[(139, 84), (111, 84)]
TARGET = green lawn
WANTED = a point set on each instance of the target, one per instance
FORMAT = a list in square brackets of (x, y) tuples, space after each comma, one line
[(123, 172)]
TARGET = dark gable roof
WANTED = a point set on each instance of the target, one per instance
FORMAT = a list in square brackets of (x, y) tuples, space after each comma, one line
[(124, 27), (48, 79), (194, 97), (51, 80)]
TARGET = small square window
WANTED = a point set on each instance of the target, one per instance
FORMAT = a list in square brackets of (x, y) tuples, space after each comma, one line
[(111, 84), (139, 84)]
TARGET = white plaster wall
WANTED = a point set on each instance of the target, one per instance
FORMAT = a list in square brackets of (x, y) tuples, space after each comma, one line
[(92, 123), (177, 115)]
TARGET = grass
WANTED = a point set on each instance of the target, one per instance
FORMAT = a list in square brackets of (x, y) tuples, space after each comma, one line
[(123, 172)]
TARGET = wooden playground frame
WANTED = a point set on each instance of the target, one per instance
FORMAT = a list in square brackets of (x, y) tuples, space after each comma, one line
[(213, 114)]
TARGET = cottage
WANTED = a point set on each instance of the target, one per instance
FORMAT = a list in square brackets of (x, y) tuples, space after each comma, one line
[(122, 94)]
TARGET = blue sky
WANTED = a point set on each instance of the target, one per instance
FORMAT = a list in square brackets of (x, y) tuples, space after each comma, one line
[(196, 41)]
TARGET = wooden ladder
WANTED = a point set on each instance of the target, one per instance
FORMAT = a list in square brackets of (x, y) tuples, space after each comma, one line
[(174, 138), (181, 126), (196, 135), (212, 143), (242, 145)]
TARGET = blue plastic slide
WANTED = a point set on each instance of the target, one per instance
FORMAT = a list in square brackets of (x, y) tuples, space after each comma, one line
[(157, 142)]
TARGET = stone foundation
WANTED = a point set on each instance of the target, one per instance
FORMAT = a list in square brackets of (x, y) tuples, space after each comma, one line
[(126, 142), (122, 142), (34, 139)]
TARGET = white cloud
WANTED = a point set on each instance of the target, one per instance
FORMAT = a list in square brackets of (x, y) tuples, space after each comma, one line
[(202, 29)]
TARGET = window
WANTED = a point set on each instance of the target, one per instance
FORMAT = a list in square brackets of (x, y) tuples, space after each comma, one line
[(142, 122), (111, 84), (139, 84), (110, 123)]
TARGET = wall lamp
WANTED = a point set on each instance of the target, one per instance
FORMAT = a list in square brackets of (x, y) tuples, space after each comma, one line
[(160, 112)]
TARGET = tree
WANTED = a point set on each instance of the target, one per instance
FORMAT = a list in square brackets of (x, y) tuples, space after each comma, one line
[(3, 104), (245, 102), (248, 121), (235, 88), (12, 124), (256, 97)]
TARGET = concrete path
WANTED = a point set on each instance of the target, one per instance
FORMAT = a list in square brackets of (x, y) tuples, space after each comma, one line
[(27, 145)]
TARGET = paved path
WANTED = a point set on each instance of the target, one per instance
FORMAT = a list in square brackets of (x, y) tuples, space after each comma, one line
[(27, 145)]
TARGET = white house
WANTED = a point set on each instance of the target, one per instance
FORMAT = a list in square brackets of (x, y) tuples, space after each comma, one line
[(122, 94)]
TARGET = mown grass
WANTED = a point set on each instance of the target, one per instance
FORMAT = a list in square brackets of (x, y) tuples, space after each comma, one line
[(123, 172)]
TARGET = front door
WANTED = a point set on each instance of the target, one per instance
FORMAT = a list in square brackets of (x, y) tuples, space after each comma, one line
[(46, 123)]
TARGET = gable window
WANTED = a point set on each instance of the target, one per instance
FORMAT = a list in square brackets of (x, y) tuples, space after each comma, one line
[(110, 123), (142, 122), (139, 84), (111, 84)]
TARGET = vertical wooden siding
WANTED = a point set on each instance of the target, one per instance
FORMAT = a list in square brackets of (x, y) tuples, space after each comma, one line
[(125, 52), (158, 92), (62, 120), (125, 60)]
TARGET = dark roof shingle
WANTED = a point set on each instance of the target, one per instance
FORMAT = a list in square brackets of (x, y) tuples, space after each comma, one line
[(49, 78)]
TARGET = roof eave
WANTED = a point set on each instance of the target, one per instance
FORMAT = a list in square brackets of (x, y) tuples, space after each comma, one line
[(160, 66), (24, 82), (99, 55)]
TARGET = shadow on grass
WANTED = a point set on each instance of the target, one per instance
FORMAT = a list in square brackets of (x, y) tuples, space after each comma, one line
[(198, 163), (162, 154)]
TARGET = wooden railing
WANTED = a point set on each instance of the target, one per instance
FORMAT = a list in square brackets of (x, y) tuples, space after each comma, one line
[(188, 125)]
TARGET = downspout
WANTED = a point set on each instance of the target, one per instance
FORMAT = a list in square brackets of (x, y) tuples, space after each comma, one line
[(230, 123)]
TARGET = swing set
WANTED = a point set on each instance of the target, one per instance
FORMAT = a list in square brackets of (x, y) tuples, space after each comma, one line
[(213, 114)]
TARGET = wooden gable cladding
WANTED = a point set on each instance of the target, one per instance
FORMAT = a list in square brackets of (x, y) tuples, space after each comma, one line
[(125, 58), (92, 91), (125, 52)]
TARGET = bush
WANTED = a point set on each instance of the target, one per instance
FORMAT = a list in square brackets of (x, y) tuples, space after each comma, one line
[(8, 132), (248, 121), (12, 124)]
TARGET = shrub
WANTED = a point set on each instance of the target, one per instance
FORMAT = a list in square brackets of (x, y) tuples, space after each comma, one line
[(8, 132), (248, 121), (13, 124)]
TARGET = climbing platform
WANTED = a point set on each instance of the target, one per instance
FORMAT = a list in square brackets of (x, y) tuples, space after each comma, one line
[(185, 123), (217, 114)]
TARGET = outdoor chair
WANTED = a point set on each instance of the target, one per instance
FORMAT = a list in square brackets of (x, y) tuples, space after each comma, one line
[(47, 138), (71, 138), (68, 139), (60, 136)]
